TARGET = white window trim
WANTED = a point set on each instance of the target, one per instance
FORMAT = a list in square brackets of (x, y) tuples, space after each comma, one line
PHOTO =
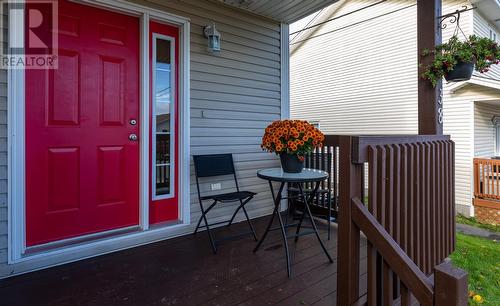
[(285, 81), (173, 122), (285, 70), (496, 126), (16, 153)]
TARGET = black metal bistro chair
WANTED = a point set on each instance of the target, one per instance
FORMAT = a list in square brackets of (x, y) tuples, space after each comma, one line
[(324, 204), (220, 165)]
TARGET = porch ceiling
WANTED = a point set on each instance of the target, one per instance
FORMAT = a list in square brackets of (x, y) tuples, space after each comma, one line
[(283, 10)]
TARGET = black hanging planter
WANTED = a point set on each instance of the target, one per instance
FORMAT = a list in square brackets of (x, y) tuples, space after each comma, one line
[(291, 163), (461, 72)]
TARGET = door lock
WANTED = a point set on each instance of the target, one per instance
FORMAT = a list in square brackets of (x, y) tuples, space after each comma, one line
[(133, 122), (132, 137)]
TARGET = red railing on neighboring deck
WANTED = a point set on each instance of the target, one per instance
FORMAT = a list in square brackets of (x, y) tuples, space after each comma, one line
[(487, 178)]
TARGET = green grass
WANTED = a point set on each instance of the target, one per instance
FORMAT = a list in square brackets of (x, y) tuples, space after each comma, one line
[(481, 259), (472, 221)]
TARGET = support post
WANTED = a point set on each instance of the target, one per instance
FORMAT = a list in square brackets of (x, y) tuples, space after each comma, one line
[(430, 106), (351, 176), (450, 285)]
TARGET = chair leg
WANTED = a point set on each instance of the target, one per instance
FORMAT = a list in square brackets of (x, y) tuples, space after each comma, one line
[(329, 214), (300, 225), (204, 218), (203, 213), (198, 225), (212, 242), (250, 224), (235, 212)]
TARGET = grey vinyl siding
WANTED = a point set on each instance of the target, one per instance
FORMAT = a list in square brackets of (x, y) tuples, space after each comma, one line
[(484, 130), (234, 96), (3, 154)]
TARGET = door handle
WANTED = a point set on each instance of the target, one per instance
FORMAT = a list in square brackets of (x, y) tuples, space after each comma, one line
[(132, 137)]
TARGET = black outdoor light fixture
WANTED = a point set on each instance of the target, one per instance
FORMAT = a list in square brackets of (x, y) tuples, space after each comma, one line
[(213, 37)]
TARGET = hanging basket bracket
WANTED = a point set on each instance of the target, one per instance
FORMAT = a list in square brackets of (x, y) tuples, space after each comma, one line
[(453, 17)]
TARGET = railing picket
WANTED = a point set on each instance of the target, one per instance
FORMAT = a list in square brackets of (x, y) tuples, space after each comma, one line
[(451, 215), (495, 179), (403, 203), (410, 221), (388, 282), (371, 251), (389, 189), (448, 195), (440, 202), (380, 181), (335, 175), (418, 213), (405, 295)]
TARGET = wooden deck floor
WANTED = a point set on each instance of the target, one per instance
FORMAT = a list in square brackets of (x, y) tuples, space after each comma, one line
[(183, 271)]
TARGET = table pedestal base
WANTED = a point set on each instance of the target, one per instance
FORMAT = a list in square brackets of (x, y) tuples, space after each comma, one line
[(276, 212)]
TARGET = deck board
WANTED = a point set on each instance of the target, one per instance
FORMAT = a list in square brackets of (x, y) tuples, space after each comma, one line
[(183, 271)]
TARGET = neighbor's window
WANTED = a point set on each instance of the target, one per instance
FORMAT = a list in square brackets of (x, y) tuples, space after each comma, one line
[(496, 127), (163, 119), (493, 34)]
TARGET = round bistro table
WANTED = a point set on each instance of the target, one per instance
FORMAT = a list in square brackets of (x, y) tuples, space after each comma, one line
[(306, 176)]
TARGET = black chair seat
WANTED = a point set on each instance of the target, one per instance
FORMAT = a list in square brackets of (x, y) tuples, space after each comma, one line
[(230, 197)]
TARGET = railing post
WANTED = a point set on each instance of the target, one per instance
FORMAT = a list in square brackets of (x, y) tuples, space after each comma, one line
[(450, 285), (350, 176)]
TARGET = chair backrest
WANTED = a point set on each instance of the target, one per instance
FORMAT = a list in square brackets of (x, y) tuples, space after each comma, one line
[(213, 165)]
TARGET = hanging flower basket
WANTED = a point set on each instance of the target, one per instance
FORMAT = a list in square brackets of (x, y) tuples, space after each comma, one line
[(461, 72), (291, 140), (455, 60)]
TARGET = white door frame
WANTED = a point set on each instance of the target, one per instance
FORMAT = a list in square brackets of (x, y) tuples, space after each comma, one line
[(16, 151)]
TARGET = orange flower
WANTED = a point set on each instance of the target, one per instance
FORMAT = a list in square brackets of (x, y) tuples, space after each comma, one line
[(297, 136)]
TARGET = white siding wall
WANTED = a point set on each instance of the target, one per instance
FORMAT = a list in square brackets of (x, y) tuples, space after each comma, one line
[(458, 123), (351, 80), (482, 28), (484, 130), (359, 76), (234, 96)]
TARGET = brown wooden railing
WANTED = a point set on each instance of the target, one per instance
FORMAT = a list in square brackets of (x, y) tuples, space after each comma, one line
[(487, 178), (408, 221)]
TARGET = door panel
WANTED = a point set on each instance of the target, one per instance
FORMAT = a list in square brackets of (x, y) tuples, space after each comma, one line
[(82, 171)]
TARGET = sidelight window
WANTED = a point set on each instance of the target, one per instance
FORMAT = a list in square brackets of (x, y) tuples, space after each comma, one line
[(163, 127)]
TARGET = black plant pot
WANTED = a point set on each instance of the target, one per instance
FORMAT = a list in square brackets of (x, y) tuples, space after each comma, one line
[(461, 72), (291, 163)]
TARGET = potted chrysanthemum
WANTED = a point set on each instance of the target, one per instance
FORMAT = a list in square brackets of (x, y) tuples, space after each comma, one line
[(291, 140)]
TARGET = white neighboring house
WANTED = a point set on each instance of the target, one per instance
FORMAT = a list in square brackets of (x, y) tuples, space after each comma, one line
[(356, 72)]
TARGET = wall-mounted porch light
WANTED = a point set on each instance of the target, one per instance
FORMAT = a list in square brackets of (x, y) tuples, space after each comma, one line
[(213, 37)]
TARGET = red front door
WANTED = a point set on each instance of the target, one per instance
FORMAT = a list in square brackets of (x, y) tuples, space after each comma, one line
[(82, 170)]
